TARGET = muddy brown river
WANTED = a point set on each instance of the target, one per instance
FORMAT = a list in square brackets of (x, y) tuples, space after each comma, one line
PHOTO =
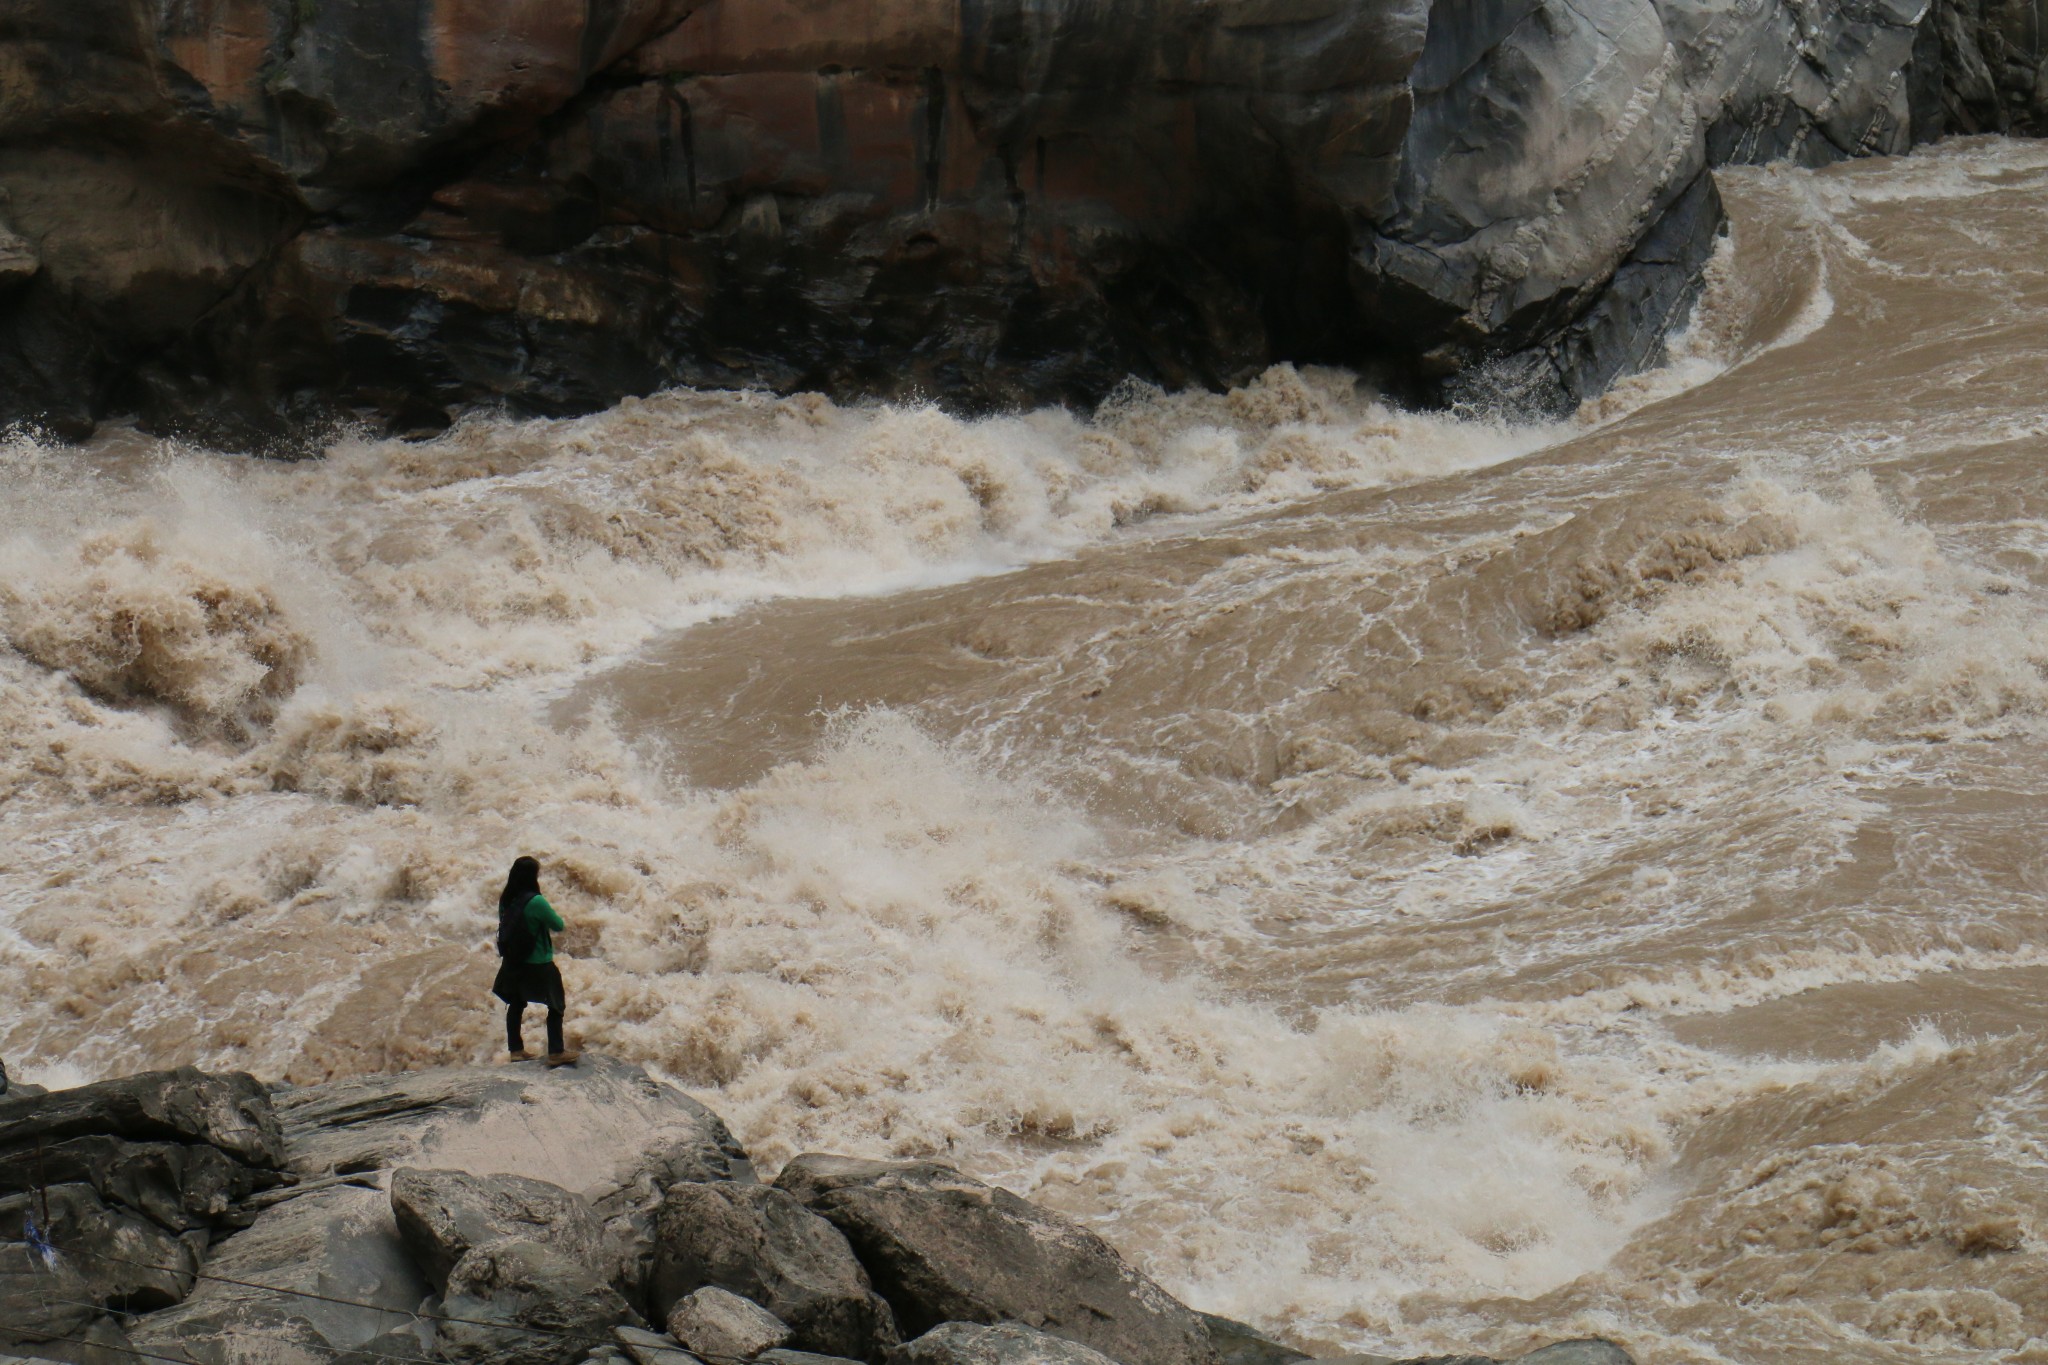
[(1415, 882)]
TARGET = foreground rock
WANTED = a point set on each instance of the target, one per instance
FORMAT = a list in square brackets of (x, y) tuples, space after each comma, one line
[(467, 1152), (761, 1243), (723, 1326), (203, 1219), (943, 1247), (241, 217), (127, 1180), (1009, 1343), (444, 1215), (562, 1306)]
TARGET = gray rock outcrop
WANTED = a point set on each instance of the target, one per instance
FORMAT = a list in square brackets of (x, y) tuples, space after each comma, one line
[(761, 1243), (1008, 1343), (443, 1215), (238, 218), (651, 1348), (200, 1218), (943, 1247), (719, 1325), (515, 1302), (124, 1181)]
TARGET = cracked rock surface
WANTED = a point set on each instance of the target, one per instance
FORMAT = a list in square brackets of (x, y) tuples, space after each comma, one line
[(240, 219)]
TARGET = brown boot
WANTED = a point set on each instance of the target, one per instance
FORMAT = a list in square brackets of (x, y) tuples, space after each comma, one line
[(520, 1056), (563, 1058)]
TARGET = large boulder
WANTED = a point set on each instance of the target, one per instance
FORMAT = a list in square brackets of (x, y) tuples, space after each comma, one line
[(721, 1326), (516, 1302), (119, 1259), (942, 1247), (177, 1186), (760, 1242), (321, 1272), (604, 1121), (629, 1199), (1008, 1343), (1240, 1343), (443, 1215), (230, 1112)]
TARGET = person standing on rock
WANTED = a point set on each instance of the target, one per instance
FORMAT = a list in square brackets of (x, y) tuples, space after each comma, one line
[(527, 972)]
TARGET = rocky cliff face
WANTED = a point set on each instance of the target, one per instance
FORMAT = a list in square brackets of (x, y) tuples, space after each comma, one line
[(234, 216)]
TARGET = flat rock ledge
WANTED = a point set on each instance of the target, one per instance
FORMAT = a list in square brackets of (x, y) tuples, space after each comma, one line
[(422, 1217)]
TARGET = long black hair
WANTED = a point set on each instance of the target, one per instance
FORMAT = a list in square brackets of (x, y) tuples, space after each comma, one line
[(522, 884)]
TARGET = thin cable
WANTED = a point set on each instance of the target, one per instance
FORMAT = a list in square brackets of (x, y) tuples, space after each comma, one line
[(417, 1316), (41, 1334), (108, 1346)]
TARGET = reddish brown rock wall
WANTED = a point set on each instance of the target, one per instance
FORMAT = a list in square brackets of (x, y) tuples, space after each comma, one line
[(238, 216)]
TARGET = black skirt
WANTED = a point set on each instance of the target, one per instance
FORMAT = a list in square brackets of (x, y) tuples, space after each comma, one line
[(534, 983)]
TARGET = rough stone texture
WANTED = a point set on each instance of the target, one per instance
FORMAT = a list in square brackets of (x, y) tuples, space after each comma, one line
[(1993, 55), (788, 1357), (528, 1285), (339, 1242), (128, 1179), (177, 1186), (629, 1199), (230, 1112), (762, 1244), (1239, 1343), (650, 1348), (442, 1215), (603, 1120), (944, 1247), (713, 1322), (235, 216), (1009, 1343)]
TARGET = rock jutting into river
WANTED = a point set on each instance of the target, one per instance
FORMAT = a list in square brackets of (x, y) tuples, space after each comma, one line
[(239, 219), (200, 1217)]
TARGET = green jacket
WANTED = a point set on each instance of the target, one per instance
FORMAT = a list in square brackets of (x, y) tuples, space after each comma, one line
[(541, 922)]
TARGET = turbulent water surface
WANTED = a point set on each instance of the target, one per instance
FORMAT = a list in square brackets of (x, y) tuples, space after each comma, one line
[(1415, 883)]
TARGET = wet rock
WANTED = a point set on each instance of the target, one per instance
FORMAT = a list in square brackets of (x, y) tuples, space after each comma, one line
[(712, 1322), (943, 1247), (566, 1307), (1584, 1351), (229, 1112), (627, 1201), (120, 1260), (785, 1356), (176, 1186), (1008, 1343), (651, 1348), (546, 1124), (339, 1243), (761, 1243), (248, 220), (1239, 1343), (442, 1215)]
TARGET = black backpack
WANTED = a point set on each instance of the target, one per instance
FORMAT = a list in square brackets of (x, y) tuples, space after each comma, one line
[(515, 939)]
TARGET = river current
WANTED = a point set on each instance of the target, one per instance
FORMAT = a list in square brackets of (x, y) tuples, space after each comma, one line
[(1415, 882)]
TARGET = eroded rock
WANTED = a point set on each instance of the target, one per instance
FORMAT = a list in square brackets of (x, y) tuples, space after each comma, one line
[(521, 1284), (1008, 1343), (339, 1243), (943, 1247), (443, 1215), (761, 1243), (230, 1112), (712, 1322)]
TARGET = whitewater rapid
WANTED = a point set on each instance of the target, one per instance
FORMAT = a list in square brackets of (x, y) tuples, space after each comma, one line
[(1413, 881)]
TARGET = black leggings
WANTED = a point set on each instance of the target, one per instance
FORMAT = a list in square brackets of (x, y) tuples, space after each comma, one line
[(512, 1043)]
